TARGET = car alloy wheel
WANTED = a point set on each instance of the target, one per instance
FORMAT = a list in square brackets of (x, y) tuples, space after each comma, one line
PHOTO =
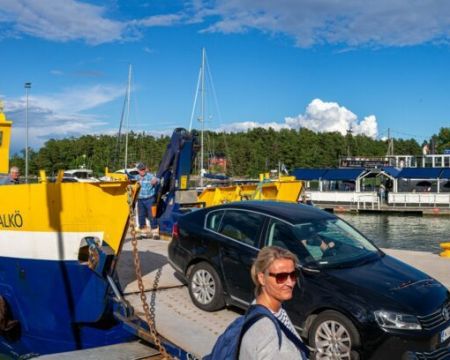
[(334, 337), (332, 341), (205, 287)]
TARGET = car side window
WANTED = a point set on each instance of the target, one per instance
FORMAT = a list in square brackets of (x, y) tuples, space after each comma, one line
[(280, 234), (243, 226), (213, 220)]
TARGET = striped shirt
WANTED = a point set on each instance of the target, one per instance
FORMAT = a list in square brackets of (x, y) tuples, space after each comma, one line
[(284, 318)]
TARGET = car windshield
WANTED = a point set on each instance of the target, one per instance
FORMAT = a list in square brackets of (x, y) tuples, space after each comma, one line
[(332, 242)]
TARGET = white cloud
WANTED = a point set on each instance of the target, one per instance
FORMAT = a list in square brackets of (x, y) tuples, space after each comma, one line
[(62, 20), (309, 22), (323, 116), (319, 116), (349, 22), (160, 20), (72, 20), (246, 125), (59, 115)]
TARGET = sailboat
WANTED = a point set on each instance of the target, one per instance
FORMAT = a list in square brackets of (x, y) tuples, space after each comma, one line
[(201, 89), (124, 122)]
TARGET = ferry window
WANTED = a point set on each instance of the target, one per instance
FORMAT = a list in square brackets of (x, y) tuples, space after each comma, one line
[(242, 226), (213, 220)]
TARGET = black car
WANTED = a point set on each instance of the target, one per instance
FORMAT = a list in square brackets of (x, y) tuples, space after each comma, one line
[(353, 301)]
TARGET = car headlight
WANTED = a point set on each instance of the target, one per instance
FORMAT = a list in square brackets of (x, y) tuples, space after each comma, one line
[(394, 320)]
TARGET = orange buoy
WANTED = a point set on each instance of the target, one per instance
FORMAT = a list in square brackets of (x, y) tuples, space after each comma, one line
[(446, 247)]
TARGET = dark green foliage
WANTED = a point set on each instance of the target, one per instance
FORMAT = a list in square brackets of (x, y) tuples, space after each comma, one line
[(248, 153)]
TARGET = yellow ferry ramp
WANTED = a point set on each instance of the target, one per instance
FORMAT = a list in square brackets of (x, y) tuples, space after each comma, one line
[(207, 196), (247, 191), (219, 195), (59, 215), (285, 189)]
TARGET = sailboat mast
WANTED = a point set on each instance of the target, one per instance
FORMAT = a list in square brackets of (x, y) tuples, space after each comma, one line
[(202, 118), (127, 118)]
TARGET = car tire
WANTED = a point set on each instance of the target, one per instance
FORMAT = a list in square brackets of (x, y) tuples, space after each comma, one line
[(333, 336), (205, 287)]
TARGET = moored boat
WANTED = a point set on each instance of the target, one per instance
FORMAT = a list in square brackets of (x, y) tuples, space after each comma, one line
[(58, 248)]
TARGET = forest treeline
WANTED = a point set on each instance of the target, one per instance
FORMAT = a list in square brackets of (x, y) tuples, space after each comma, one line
[(248, 153)]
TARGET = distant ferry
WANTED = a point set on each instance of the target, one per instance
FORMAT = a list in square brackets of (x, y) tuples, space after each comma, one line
[(398, 161)]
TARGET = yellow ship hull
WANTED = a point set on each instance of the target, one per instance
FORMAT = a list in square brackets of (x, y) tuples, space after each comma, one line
[(49, 220)]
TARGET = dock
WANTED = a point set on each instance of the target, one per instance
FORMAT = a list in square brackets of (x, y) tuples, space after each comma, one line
[(389, 209)]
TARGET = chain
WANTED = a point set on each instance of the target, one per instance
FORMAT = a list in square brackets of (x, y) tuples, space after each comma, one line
[(137, 264)]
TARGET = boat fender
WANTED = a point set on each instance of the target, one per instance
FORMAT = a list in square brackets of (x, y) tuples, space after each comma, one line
[(9, 328)]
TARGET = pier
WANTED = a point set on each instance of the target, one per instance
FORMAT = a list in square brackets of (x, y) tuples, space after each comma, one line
[(390, 209)]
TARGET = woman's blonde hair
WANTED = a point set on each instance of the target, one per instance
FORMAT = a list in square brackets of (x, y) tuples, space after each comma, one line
[(265, 258)]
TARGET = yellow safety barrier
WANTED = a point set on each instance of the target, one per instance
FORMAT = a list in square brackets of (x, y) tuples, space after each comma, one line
[(446, 247), (285, 189), (247, 191), (219, 195), (208, 196)]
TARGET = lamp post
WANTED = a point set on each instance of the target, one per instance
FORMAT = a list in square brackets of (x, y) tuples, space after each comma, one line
[(27, 87)]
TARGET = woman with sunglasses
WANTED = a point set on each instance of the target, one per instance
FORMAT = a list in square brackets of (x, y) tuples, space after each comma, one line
[(274, 274)]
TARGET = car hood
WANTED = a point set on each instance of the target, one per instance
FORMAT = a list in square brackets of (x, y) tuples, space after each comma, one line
[(390, 284)]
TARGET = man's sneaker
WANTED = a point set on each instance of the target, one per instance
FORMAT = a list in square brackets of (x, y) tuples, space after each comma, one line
[(155, 234)]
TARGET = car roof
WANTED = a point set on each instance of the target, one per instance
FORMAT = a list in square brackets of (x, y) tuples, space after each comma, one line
[(291, 212)]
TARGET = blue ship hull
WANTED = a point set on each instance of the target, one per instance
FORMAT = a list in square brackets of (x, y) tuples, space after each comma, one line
[(60, 306)]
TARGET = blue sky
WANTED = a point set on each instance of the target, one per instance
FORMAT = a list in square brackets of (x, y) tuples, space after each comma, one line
[(327, 65)]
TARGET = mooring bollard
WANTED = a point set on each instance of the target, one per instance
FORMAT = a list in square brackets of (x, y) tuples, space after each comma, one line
[(446, 247)]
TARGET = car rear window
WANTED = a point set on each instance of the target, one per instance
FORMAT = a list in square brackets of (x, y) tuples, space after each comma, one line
[(213, 220)]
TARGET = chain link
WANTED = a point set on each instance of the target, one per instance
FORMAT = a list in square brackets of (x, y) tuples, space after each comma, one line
[(137, 265)]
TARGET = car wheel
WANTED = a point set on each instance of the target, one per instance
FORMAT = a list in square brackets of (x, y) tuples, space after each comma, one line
[(333, 336), (205, 287)]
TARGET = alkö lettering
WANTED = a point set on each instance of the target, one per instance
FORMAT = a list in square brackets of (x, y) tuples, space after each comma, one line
[(13, 220)]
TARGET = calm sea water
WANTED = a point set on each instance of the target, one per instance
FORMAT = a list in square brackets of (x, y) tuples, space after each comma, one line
[(408, 232)]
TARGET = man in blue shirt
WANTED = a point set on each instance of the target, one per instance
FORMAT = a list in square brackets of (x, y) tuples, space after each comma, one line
[(146, 199)]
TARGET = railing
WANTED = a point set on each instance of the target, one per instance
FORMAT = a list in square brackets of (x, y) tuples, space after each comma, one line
[(357, 199), (370, 200), (419, 199)]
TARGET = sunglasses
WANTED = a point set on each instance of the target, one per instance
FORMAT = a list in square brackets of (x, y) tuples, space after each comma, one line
[(282, 277)]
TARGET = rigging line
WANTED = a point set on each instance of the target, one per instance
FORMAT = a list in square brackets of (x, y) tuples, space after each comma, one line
[(219, 115), (411, 135), (136, 116), (195, 99), (115, 158), (128, 116)]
